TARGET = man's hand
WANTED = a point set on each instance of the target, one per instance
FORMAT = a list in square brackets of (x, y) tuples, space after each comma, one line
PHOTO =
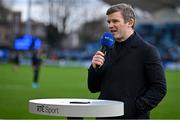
[(98, 59)]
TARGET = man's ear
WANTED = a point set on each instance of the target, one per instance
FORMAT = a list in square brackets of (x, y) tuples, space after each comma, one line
[(131, 22)]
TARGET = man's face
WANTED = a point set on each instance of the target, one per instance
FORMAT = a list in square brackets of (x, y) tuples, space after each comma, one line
[(117, 26)]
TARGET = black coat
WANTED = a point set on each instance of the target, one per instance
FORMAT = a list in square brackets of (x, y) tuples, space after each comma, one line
[(132, 73)]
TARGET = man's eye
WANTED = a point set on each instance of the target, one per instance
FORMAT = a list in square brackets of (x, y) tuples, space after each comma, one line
[(115, 21)]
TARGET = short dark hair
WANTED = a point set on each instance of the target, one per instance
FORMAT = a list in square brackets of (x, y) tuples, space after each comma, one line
[(126, 10)]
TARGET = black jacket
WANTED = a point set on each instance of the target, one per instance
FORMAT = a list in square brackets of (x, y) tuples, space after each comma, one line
[(132, 73)]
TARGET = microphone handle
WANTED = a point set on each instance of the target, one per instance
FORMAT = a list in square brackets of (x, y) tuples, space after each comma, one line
[(103, 49)]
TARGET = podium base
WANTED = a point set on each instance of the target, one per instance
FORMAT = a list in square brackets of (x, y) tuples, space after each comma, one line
[(74, 118)]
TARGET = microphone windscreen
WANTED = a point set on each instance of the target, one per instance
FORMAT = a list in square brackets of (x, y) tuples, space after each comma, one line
[(107, 39)]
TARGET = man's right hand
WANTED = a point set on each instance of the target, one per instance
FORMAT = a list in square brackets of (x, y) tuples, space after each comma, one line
[(98, 59)]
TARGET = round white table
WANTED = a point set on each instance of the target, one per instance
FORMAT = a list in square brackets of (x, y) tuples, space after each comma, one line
[(76, 107)]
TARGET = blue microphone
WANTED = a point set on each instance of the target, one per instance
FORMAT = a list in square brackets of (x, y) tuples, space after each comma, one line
[(107, 41)]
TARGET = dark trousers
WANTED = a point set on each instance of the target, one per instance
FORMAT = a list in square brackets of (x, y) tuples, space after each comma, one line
[(36, 75)]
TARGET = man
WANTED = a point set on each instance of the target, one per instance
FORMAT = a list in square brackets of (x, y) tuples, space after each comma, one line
[(36, 63), (131, 71)]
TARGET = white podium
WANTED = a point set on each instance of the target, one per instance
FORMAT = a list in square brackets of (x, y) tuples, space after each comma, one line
[(76, 107)]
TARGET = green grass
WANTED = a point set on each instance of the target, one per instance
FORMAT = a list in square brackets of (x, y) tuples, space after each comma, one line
[(57, 82), (169, 108)]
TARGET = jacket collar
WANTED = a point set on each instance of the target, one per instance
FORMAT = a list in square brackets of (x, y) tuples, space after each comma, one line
[(129, 45)]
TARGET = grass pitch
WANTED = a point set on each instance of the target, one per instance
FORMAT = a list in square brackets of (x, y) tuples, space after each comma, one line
[(65, 82)]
